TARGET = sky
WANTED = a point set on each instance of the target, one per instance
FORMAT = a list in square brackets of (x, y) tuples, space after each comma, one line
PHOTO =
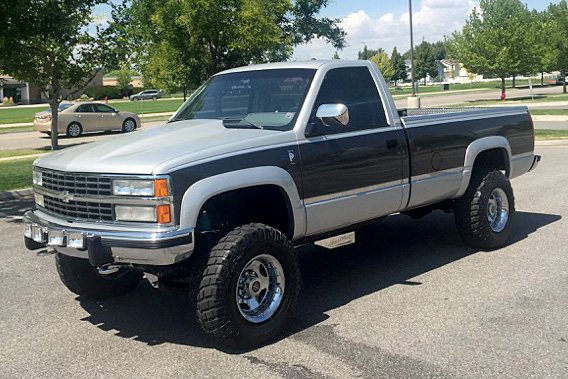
[(384, 24)]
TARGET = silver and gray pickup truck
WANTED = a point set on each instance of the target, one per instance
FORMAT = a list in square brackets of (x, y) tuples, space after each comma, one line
[(261, 159)]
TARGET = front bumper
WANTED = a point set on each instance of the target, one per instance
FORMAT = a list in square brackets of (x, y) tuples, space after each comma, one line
[(109, 246)]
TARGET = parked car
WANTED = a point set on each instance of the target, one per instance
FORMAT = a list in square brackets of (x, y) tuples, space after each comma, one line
[(559, 79), (75, 119), (149, 94), (259, 160)]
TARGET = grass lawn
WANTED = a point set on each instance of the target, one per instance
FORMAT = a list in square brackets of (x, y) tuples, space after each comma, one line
[(148, 106), (26, 114), (549, 112), (524, 99), (16, 174), (548, 134), (17, 153)]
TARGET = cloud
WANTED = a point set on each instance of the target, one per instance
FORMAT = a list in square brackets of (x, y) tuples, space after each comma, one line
[(100, 18), (432, 20)]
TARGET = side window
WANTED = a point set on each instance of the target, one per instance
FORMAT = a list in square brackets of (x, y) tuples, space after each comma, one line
[(354, 87), (101, 108), (84, 108)]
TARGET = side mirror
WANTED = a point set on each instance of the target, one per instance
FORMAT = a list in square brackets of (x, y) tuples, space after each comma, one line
[(333, 114)]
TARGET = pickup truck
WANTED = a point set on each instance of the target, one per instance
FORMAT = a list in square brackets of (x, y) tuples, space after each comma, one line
[(259, 160)]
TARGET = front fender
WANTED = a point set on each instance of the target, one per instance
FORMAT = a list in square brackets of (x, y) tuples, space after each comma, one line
[(198, 193)]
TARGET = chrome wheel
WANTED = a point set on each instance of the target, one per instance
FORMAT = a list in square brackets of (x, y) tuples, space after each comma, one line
[(129, 125), (260, 288), (498, 210)]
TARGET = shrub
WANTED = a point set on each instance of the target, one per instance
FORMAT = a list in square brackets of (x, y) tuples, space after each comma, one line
[(100, 92)]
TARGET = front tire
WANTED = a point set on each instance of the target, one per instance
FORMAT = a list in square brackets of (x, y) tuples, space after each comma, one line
[(129, 125), (84, 280), (74, 130), (249, 287), (485, 212)]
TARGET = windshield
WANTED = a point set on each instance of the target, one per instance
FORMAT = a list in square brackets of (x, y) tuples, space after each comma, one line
[(267, 99), (60, 108)]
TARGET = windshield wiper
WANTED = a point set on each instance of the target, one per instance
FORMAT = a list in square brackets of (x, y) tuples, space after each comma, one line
[(238, 120)]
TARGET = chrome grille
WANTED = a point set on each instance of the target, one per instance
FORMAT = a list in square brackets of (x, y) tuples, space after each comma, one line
[(79, 209), (77, 184)]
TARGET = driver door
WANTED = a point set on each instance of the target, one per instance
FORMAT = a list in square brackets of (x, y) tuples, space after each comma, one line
[(351, 173)]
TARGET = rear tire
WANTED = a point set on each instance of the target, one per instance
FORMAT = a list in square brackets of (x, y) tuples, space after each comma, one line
[(484, 214), (249, 287), (84, 280), (74, 130)]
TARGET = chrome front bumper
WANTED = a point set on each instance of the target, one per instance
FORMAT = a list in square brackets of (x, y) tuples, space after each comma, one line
[(103, 247)]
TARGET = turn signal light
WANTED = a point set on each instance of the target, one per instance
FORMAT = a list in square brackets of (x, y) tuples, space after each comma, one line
[(164, 214), (161, 188)]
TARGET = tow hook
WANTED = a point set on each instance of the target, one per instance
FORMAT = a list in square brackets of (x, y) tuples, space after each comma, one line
[(153, 279), (108, 269)]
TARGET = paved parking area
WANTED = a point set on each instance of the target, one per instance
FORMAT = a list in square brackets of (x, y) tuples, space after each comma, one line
[(409, 300)]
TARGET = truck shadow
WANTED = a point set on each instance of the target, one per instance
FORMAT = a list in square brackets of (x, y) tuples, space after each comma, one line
[(14, 207), (391, 253)]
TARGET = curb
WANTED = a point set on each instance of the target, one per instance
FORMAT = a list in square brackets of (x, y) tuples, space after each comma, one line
[(16, 194), (17, 157)]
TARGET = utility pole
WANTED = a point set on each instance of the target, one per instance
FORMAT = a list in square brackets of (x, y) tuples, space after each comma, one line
[(413, 101)]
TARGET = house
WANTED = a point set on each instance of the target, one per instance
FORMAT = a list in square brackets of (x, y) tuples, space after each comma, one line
[(29, 93), (20, 92), (454, 72), (135, 81)]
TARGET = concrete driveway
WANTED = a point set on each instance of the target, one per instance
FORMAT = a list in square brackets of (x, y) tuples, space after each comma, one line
[(409, 300)]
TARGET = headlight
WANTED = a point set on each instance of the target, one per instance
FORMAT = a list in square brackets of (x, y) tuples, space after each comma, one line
[(137, 187), (37, 179)]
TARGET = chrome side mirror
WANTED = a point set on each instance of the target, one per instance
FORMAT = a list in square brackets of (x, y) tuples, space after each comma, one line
[(333, 114)]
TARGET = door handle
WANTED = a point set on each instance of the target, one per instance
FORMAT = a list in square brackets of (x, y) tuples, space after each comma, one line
[(392, 144)]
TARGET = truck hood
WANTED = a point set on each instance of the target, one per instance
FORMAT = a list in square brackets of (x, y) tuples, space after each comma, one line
[(162, 149)]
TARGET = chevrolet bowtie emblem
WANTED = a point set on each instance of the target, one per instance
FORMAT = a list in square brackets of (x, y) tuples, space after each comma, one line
[(66, 196)]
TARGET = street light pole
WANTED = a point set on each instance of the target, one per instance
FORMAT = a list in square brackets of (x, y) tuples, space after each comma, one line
[(411, 49)]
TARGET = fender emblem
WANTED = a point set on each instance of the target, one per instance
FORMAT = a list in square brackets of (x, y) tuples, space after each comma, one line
[(291, 156), (66, 196)]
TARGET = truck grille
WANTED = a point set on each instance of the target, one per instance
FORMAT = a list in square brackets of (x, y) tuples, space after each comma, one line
[(77, 184), (84, 185), (79, 209)]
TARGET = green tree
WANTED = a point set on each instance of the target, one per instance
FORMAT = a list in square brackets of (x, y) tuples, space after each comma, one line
[(123, 79), (335, 55), (426, 58), (399, 66), (47, 43), (492, 40), (558, 29), (367, 54), (181, 42), (381, 59)]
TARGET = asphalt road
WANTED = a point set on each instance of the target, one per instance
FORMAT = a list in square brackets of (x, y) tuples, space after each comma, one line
[(409, 300)]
